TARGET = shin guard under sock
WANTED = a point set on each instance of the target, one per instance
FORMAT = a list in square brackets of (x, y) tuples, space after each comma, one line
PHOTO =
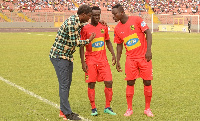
[(91, 96), (129, 95), (108, 95), (148, 95)]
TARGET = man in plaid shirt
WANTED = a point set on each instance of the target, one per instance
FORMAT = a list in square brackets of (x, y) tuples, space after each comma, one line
[(61, 55)]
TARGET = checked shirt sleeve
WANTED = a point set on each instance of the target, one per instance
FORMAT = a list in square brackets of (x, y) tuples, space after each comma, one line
[(82, 42), (74, 29), (67, 38)]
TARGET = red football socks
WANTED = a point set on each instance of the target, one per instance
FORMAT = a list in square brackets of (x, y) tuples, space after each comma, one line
[(148, 95), (129, 95), (91, 96), (108, 95)]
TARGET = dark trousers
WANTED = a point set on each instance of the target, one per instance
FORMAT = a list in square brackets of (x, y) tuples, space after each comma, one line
[(64, 69)]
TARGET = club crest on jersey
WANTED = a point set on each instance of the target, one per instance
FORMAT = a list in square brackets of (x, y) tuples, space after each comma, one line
[(86, 77), (143, 24), (132, 27), (102, 30)]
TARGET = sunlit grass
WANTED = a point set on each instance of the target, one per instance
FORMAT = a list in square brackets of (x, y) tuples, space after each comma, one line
[(25, 62)]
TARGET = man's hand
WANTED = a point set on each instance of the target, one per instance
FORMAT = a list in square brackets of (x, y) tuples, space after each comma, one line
[(148, 56), (113, 60), (103, 22), (84, 67), (118, 67), (92, 36)]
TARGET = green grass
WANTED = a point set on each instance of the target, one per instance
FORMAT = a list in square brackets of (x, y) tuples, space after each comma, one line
[(25, 62)]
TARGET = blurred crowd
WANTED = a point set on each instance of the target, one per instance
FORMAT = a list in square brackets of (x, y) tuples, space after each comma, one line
[(175, 7), (35, 5), (132, 6)]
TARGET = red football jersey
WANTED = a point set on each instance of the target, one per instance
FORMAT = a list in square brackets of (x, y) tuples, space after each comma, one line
[(133, 36), (96, 48)]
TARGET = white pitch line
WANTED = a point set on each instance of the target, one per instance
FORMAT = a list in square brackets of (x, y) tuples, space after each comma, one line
[(36, 96), (30, 93)]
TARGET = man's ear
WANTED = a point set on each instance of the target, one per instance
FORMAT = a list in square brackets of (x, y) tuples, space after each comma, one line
[(82, 14), (122, 13)]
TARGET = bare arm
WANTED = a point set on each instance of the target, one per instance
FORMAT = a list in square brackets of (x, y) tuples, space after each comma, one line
[(110, 48), (148, 54), (82, 54), (119, 52)]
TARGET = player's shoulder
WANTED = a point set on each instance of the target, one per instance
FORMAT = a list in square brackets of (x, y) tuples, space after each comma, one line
[(72, 20), (118, 26), (87, 26), (102, 26), (135, 17)]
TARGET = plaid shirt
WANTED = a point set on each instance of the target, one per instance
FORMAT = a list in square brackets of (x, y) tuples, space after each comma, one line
[(67, 38)]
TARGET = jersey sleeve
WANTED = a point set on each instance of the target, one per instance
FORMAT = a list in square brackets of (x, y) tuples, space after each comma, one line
[(83, 34), (142, 24), (116, 37), (107, 37)]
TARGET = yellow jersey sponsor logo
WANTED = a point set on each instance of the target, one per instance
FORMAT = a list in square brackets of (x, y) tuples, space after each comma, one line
[(98, 44), (132, 42)]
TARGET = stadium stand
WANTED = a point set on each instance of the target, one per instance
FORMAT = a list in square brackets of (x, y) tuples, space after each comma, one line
[(59, 10)]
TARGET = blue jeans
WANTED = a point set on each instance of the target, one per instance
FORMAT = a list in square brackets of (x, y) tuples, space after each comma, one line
[(64, 69)]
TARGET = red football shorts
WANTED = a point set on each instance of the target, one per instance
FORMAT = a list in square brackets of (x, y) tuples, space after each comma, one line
[(135, 68), (98, 72)]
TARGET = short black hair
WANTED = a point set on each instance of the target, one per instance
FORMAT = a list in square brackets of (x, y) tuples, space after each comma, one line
[(118, 6), (84, 9), (96, 8)]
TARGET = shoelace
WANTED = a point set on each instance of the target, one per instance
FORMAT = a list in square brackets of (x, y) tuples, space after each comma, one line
[(128, 111), (94, 110), (73, 116), (110, 109), (149, 112), (74, 113)]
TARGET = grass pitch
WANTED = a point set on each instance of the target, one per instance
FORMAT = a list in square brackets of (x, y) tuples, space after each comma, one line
[(25, 62)]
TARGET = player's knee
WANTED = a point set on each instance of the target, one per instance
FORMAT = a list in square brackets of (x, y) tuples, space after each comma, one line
[(91, 85), (147, 82), (108, 84), (130, 82)]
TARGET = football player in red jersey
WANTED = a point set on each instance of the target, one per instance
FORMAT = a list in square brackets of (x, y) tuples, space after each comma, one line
[(131, 31), (95, 65)]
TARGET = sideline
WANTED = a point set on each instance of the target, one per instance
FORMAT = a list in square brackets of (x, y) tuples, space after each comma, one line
[(36, 96)]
